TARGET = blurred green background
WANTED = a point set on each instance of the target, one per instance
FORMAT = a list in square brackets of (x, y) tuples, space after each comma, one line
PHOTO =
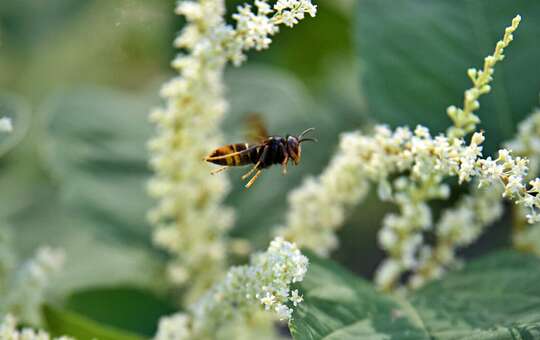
[(80, 76)]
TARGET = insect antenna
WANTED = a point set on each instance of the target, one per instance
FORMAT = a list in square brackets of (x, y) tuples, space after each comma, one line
[(302, 139), (308, 140)]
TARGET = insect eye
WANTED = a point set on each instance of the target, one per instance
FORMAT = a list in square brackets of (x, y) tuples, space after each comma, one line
[(292, 141)]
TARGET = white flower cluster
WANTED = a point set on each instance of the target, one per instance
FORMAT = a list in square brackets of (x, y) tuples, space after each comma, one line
[(265, 281), (9, 331), (174, 327), (427, 161), (464, 119), (5, 124), (26, 286), (254, 30), (410, 168), (319, 206), (527, 144), (190, 219), (457, 228), (527, 141), (257, 325)]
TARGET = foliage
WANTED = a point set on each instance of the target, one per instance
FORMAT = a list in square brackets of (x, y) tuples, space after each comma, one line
[(108, 313), (75, 168), (80, 202), (414, 56), (495, 297), (123, 307), (65, 322)]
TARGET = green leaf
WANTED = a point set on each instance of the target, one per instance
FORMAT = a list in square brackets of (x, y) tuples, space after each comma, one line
[(415, 55), (92, 256), (61, 322), (95, 146), (126, 308), (339, 305), (496, 297)]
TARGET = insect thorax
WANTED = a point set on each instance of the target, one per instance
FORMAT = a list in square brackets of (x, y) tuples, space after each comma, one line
[(276, 147)]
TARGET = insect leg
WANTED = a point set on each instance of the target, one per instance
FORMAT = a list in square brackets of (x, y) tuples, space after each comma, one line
[(262, 158), (255, 167), (253, 179), (285, 160), (218, 170)]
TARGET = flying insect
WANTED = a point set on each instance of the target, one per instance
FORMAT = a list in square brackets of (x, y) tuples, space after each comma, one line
[(268, 151)]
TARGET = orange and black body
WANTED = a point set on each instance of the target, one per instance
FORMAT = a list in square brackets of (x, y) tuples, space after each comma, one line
[(272, 150), (234, 155)]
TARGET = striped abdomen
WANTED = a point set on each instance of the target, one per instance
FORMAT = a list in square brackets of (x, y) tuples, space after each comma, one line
[(233, 155)]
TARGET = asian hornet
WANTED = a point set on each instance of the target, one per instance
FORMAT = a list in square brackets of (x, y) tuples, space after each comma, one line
[(268, 151)]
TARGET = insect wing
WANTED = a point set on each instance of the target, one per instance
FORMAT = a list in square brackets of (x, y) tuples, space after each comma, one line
[(256, 128)]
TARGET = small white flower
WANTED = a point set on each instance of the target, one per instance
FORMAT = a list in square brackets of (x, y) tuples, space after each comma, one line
[(5, 124), (384, 191), (268, 300), (280, 5), (263, 7), (190, 9), (27, 287), (387, 237), (283, 312), (535, 185), (421, 131), (174, 327), (514, 186), (267, 278), (504, 155), (289, 19), (296, 298), (387, 273), (477, 138), (10, 331)]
